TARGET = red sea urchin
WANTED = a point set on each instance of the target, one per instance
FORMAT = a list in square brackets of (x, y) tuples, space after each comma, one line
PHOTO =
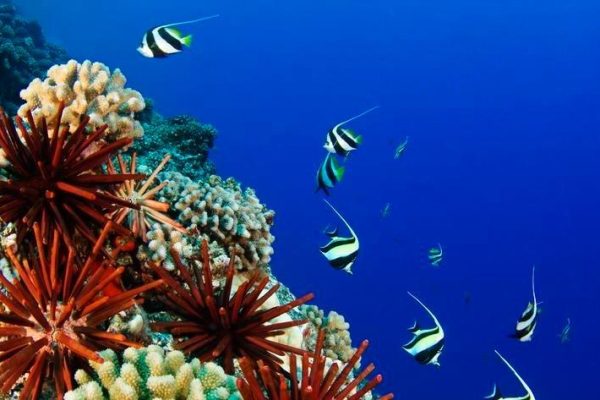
[(57, 179), (228, 325), (316, 382), (53, 312)]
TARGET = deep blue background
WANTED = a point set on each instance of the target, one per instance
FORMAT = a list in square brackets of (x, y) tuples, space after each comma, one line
[(500, 100)]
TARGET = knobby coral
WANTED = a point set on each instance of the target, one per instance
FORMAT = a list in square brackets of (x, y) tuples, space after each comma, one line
[(224, 213), (151, 374), (53, 314), (317, 379), (337, 344), (86, 89), (57, 180), (228, 325), (142, 195)]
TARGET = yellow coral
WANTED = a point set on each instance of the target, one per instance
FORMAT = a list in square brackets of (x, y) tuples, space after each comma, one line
[(86, 88)]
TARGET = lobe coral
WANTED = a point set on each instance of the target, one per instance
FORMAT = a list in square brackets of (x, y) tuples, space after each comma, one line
[(53, 314), (59, 180), (228, 324)]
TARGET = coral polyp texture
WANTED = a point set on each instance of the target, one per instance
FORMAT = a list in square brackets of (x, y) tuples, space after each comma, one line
[(337, 344), (58, 179), (317, 379), (89, 88), (189, 143), (141, 194), (228, 324), (224, 213), (150, 373), (53, 315), (24, 55)]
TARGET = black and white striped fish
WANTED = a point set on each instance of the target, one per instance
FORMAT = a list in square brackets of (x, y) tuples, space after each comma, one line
[(329, 174), (342, 141), (341, 252), (496, 395), (528, 320), (426, 344), (164, 40)]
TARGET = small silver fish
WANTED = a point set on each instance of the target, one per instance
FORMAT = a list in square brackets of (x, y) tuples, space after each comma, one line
[(565, 334), (386, 210), (401, 149)]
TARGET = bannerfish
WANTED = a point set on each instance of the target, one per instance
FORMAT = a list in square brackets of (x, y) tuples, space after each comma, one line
[(341, 252), (329, 174), (426, 344), (436, 255), (164, 40), (528, 320), (496, 395), (401, 149), (342, 141)]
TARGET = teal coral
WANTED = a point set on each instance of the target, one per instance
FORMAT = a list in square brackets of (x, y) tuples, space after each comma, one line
[(24, 54), (189, 143), (150, 373)]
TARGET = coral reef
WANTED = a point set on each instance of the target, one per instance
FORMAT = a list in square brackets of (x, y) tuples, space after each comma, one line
[(151, 374), (188, 140), (318, 379), (58, 181), (337, 344), (228, 324), (222, 212), (142, 195), (24, 55), (162, 241), (86, 89), (53, 314)]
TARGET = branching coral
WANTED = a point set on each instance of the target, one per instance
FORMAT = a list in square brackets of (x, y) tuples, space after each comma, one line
[(150, 374), (53, 314), (142, 195), (317, 379), (223, 213), (57, 180), (86, 89), (337, 343), (162, 241), (189, 143), (226, 324), (24, 55)]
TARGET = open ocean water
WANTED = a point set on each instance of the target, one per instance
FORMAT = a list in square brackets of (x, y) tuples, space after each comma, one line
[(500, 100)]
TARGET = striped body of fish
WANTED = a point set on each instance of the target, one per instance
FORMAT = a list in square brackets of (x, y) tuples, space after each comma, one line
[(341, 252), (329, 174), (165, 40), (528, 320), (436, 255), (342, 141), (427, 344), (497, 395)]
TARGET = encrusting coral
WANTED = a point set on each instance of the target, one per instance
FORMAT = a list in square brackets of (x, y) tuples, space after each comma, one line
[(337, 344), (317, 379), (57, 180), (24, 55), (189, 143), (228, 324), (151, 374), (54, 313), (222, 212), (141, 194), (86, 89)]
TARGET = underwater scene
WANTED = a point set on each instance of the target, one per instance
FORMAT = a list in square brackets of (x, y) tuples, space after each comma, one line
[(299, 200)]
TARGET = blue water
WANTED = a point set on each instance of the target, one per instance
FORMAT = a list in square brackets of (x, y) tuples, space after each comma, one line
[(500, 100)]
